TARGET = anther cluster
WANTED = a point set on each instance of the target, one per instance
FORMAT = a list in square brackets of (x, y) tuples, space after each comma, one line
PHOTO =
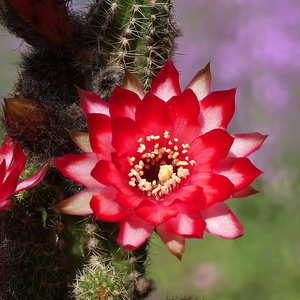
[(160, 165)]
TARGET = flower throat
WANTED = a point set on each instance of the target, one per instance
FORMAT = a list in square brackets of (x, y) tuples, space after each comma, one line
[(158, 170)]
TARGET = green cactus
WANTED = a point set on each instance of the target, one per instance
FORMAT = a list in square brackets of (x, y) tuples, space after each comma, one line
[(138, 35), (34, 260)]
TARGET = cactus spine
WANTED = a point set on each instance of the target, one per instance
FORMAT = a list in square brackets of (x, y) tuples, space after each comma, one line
[(138, 35)]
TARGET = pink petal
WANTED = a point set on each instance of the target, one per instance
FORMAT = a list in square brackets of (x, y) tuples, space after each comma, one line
[(8, 187), (131, 83), (100, 135), (166, 83), (7, 148), (187, 194), (7, 204), (155, 213), (130, 200), (133, 232), (18, 158), (7, 151), (240, 171), (78, 167), (123, 103), (201, 82), (174, 243), (220, 221), (217, 110), (152, 115), (208, 149), (32, 180), (79, 204), (107, 173), (81, 139), (91, 103), (104, 206), (184, 111), (216, 188), (245, 144), (126, 134), (187, 223), (13, 155), (3, 171)]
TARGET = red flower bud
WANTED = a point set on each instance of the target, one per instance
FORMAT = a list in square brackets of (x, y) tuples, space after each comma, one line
[(26, 120), (25, 114), (48, 17)]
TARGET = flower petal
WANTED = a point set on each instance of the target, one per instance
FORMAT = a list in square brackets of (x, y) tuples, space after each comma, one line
[(78, 167), (6, 150), (32, 180), (3, 171), (130, 200), (220, 221), (201, 82), (126, 134), (217, 110), (133, 232), (131, 83), (184, 111), (174, 243), (107, 173), (187, 223), (155, 213), (104, 206), (8, 187), (79, 204), (240, 171), (166, 83), (7, 204), (100, 135), (246, 143), (208, 149), (152, 115), (216, 188), (13, 155), (247, 191), (123, 103), (81, 139), (91, 103), (188, 194)]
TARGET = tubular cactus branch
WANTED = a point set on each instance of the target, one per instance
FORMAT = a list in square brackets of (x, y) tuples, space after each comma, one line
[(42, 252)]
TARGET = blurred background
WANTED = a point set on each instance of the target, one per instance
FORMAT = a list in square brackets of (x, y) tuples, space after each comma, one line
[(255, 46)]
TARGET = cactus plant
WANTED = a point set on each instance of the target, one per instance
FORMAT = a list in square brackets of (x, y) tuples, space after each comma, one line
[(44, 251)]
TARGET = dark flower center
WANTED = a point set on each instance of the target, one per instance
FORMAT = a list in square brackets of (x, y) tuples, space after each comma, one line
[(158, 170)]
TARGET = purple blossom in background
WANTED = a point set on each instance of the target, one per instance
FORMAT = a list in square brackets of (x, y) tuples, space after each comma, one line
[(253, 45), (240, 37)]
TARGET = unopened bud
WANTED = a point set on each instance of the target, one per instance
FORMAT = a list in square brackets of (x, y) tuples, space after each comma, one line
[(26, 121), (48, 17)]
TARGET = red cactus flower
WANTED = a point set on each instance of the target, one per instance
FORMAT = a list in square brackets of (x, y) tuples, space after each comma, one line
[(12, 160), (161, 161)]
